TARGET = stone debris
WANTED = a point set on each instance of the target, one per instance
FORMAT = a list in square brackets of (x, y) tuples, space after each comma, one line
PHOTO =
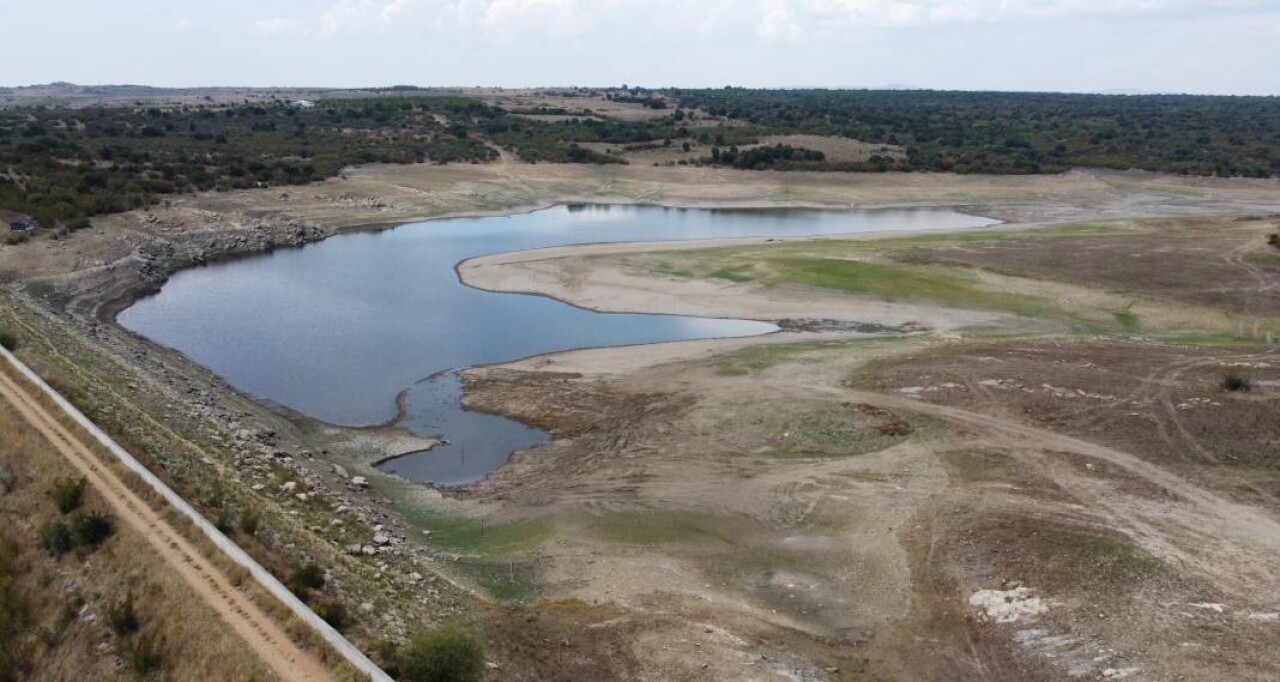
[(1008, 606)]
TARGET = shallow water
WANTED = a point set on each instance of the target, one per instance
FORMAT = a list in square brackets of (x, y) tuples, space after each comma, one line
[(337, 329)]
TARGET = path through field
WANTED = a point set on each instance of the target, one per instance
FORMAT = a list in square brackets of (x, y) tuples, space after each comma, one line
[(266, 638)]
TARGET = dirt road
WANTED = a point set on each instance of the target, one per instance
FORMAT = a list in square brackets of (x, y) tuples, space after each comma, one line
[(266, 638)]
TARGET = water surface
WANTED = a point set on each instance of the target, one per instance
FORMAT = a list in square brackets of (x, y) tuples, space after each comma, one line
[(337, 329)]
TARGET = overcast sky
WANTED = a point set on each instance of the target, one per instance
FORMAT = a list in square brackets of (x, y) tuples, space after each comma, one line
[(1223, 46)]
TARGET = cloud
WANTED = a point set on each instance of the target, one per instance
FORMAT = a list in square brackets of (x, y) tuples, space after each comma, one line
[(351, 16), (772, 20), (276, 27)]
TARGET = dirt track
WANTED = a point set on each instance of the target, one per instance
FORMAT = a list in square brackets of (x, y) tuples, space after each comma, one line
[(263, 635)]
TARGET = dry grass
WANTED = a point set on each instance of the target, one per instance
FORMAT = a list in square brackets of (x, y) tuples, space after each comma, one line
[(67, 636), (838, 149)]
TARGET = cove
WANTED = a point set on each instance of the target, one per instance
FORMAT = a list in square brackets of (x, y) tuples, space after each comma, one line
[(338, 329)]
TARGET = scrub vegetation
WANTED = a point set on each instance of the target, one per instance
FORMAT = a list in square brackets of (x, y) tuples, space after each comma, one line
[(65, 164)]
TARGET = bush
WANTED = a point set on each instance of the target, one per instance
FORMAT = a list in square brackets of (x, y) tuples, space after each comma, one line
[(1274, 240), (445, 654), (249, 520), (121, 617), (56, 539), (8, 340), (146, 656), (68, 494), (306, 577), (1236, 383), (224, 521), (332, 611), (92, 529)]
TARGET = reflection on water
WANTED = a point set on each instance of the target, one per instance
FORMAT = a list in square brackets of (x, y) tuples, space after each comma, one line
[(337, 329)]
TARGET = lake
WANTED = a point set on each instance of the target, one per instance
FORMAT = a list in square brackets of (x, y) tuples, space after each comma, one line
[(338, 329)]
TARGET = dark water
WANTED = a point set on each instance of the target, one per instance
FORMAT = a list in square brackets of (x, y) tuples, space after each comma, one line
[(337, 329)]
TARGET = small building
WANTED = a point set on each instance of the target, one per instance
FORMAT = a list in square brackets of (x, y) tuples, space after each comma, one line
[(303, 104), (22, 225)]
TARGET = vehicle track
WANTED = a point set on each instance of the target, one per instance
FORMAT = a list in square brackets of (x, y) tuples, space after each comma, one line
[(1235, 545), (263, 635)]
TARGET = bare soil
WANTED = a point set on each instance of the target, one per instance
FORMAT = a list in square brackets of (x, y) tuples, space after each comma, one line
[(753, 509)]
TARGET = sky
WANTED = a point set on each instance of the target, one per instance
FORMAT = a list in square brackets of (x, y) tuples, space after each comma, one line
[(1222, 47)]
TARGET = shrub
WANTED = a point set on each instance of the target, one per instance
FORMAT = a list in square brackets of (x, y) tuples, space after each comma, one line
[(249, 520), (445, 654), (122, 618), (68, 494), (56, 539), (92, 529), (1274, 240), (306, 577), (224, 521), (1236, 383), (146, 656), (8, 340), (332, 611)]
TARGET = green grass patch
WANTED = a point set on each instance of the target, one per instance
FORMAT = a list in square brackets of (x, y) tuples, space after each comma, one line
[(904, 282), (664, 527), (1204, 339), (1263, 257), (669, 269), (1128, 320), (476, 536), (509, 581), (752, 359), (736, 274)]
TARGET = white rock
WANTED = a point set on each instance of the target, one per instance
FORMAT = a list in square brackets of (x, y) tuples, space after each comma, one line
[(1008, 606)]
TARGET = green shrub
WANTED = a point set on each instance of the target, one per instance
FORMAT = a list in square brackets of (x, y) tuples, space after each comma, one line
[(56, 539), (122, 618), (68, 494), (1236, 383), (8, 340), (445, 654), (306, 577), (332, 611), (224, 521), (146, 656), (92, 529), (250, 517)]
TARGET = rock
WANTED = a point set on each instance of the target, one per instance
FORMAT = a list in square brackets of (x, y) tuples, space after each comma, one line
[(352, 549), (360, 481), (381, 539), (289, 487), (339, 470), (368, 550)]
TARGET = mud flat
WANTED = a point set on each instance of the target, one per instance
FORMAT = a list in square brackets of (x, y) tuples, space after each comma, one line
[(814, 507)]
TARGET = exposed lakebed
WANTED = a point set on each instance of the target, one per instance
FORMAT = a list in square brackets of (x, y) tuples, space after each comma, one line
[(338, 329)]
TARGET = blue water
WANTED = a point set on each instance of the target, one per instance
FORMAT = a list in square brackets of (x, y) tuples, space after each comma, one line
[(337, 329)]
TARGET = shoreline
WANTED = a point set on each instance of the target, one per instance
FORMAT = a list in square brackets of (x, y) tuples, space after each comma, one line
[(98, 293)]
